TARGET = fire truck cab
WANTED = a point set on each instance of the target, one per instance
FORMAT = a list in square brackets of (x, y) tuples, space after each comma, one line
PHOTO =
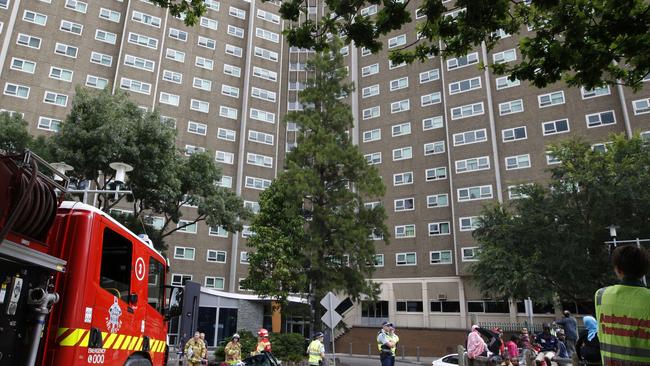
[(103, 287)]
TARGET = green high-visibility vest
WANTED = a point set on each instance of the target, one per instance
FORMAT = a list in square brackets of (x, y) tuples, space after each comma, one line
[(314, 349), (623, 313)]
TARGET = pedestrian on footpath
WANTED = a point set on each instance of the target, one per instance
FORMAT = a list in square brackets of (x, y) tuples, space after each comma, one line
[(588, 346), (194, 349), (623, 310), (316, 350), (387, 344), (570, 326)]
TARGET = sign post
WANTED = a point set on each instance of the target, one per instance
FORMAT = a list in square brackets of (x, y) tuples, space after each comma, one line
[(331, 318)]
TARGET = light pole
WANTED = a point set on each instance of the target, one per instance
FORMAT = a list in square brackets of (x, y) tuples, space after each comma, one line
[(120, 177)]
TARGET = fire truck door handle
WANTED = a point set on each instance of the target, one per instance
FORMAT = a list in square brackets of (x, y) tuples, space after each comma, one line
[(129, 309), (145, 344), (95, 338)]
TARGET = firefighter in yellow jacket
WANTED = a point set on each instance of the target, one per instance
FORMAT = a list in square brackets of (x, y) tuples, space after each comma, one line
[(233, 351), (316, 350), (194, 350)]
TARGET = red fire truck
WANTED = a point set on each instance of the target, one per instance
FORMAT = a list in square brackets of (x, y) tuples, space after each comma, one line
[(77, 287)]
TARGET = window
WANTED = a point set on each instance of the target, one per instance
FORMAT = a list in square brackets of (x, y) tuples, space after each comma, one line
[(374, 158), (171, 99), (504, 82), (106, 37), (225, 181), (230, 91), (48, 124), (228, 112), (500, 34), (184, 253), (392, 65), (400, 106), (458, 62), (641, 106), (445, 306), (513, 106), (430, 99), (440, 257), (224, 157), (25, 66), (4, 4), (552, 159), (372, 112), (464, 85), (139, 63), (34, 17), (402, 153), (76, 5), (474, 193), (175, 55), (397, 84), (237, 13), (232, 70), (365, 52), (212, 5), (96, 82), (180, 279), (204, 63), (505, 56), (61, 74), (191, 149), (214, 282), (144, 41), (372, 135), (469, 254), (65, 50), (261, 115), (554, 127), (513, 134), (409, 306), (438, 228), (100, 58), (150, 21), (378, 260), (206, 42), (200, 106), (370, 70), (551, 99), (514, 192), (71, 27), (470, 137), (596, 92), (432, 123), (437, 200), (259, 160), (468, 110), (115, 272), (28, 41), (265, 74), (219, 231), (257, 183), (397, 41), (269, 17), (243, 258), (432, 148), (208, 23), (401, 179), (268, 35), (433, 174), (261, 137), (57, 99), (235, 31), (600, 119), (265, 54), (406, 259), (404, 204), (226, 134), (197, 128), (472, 164), (110, 15), (370, 10), (404, 231), (263, 94), (468, 223), (172, 76), (428, 76)]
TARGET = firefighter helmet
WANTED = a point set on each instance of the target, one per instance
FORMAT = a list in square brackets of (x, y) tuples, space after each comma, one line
[(263, 332)]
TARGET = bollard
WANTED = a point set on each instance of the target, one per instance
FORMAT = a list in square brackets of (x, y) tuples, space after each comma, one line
[(417, 353), (369, 353), (402, 353), (350, 348)]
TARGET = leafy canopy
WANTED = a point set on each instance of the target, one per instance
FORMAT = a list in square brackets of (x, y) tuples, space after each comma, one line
[(312, 232), (552, 240)]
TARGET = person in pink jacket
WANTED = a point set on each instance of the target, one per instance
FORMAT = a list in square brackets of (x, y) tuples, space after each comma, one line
[(513, 350), (475, 344)]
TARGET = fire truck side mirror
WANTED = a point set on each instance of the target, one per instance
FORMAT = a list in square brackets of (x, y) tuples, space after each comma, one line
[(133, 299), (175, 302)]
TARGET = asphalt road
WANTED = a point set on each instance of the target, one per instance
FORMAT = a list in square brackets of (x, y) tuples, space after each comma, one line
[(365, 361)]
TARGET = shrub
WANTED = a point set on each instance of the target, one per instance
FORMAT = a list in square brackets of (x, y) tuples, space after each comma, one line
[(288, 346)]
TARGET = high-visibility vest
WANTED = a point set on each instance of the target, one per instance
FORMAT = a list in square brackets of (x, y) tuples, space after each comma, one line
[(623, 313), (314, 350), (391, 337)]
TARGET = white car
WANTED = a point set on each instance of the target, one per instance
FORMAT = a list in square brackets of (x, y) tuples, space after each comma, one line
[(448, 360)]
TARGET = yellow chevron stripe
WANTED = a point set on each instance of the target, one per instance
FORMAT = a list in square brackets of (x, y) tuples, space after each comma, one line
[(161, 348), (109, 340), (133, 342), (84, 341), (125, 345), (153, 343), (158, 345), (138, 346), (72, 338), (61, 331), (117, 344)]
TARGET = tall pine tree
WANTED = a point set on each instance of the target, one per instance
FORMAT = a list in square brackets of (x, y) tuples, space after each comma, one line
[(312, 234)]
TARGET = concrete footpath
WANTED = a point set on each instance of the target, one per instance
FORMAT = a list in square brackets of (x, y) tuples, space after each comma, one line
[(345, 359)]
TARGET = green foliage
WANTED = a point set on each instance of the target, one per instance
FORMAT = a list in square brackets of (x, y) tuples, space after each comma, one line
[(288, 346), (14, 137), (552, 240), (583, 42), (312, 232), (191, 10)]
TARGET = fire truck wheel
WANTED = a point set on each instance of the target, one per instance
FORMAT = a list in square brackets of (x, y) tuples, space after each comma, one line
[(137, 359)]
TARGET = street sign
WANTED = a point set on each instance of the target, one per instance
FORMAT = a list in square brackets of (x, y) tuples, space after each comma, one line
[(331, 318), (330, 301)]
